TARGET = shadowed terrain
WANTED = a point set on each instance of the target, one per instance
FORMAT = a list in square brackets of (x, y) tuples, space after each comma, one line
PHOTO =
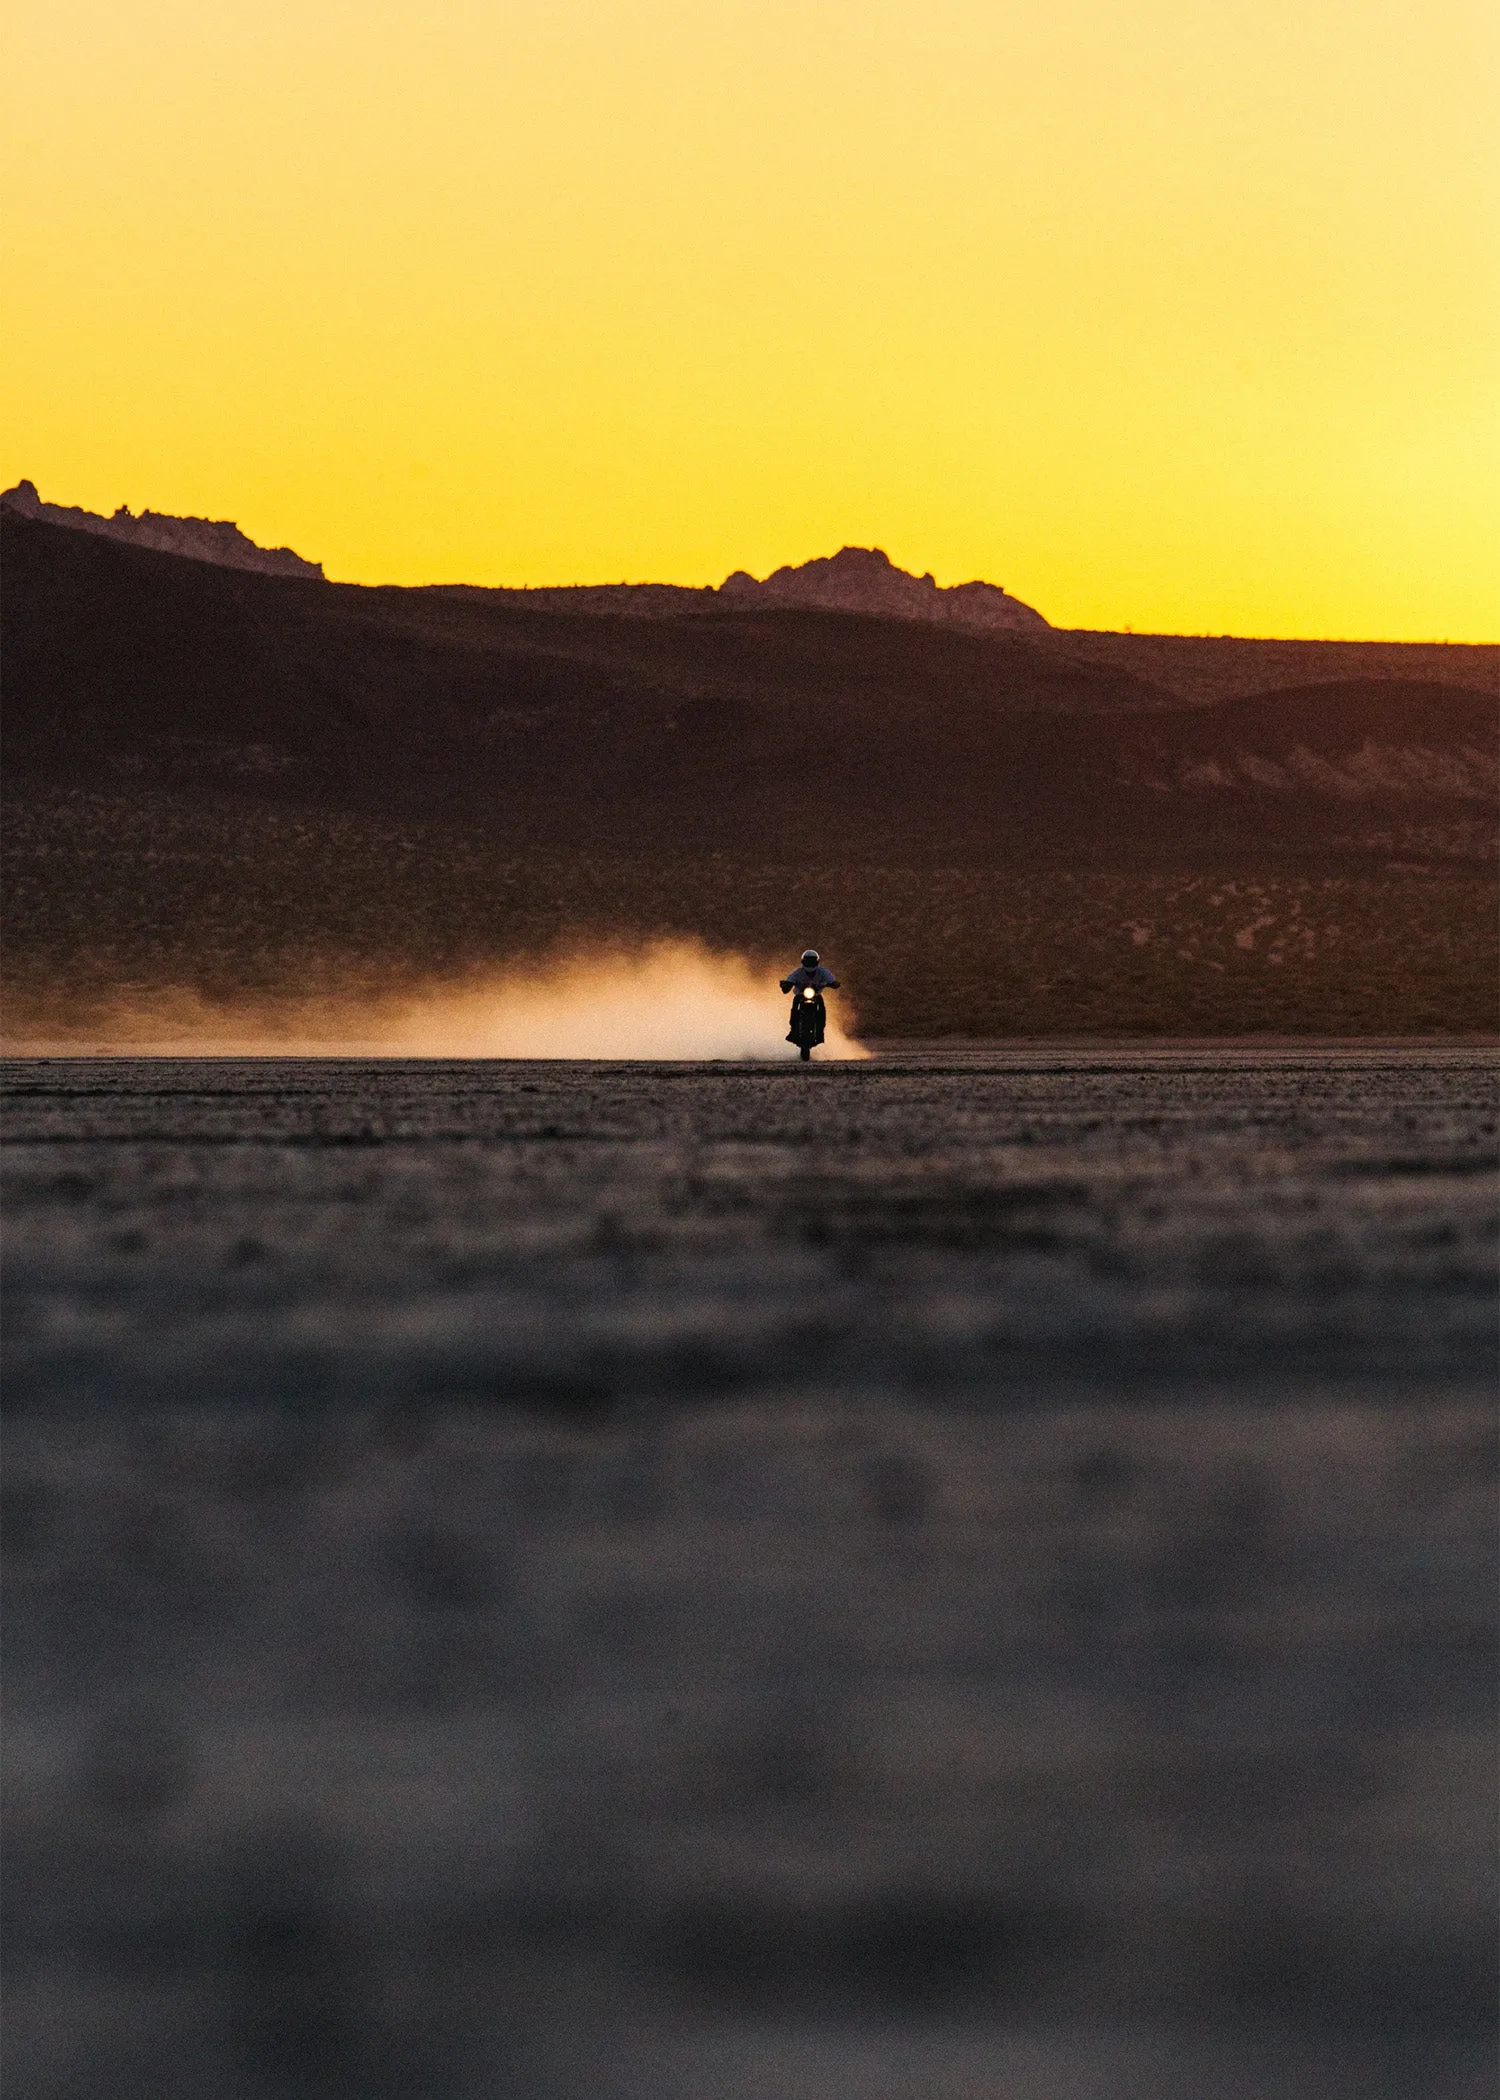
[(971, 1573), (220, 779)]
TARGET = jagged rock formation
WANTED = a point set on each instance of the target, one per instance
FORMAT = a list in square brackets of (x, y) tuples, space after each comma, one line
[(856, 579), (199, 539), (866, 580)]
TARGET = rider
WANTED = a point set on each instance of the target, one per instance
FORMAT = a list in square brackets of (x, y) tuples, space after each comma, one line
[(810, 971)]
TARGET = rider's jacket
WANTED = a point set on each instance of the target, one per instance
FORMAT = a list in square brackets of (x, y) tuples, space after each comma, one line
[(821, 978)]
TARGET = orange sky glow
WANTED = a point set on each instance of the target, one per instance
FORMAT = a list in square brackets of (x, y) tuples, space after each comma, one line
[(1181, 314)]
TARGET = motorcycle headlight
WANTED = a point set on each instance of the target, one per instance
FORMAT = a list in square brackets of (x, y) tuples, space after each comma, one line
[(807, 991)]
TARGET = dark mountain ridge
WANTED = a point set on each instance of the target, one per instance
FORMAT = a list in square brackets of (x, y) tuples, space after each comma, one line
[(606, 762), (215, 540), (933, 740), (856, 579)]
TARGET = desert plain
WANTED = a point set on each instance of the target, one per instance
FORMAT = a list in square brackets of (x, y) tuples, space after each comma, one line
[(964, 1569), (967, 1572)]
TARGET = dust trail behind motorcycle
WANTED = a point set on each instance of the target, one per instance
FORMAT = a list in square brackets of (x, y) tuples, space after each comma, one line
[(937, 1576), (656, 999)]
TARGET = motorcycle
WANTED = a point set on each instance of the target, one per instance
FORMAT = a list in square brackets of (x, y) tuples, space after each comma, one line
[(809, 1019)]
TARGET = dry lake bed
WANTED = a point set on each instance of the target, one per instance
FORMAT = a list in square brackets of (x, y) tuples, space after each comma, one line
[(968, 1576)]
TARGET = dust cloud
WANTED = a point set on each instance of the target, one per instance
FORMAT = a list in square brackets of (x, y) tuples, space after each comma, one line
[(670, 999)]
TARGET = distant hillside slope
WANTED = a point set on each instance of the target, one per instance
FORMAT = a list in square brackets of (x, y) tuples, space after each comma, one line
[(1222, 667), (864, 579), (759, 731), (211, 771), (198, 539), (856, 579)]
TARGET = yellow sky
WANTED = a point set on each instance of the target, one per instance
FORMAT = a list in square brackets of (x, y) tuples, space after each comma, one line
[(1177, 314)]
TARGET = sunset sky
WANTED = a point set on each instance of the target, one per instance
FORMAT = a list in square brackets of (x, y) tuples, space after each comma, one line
[(1176, 314)]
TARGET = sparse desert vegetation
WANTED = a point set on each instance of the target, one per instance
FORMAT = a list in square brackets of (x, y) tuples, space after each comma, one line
[(119, 894)]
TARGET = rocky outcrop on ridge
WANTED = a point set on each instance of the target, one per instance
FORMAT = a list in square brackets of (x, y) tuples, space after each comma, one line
[(199, 539), (866, 580), (856, 580)]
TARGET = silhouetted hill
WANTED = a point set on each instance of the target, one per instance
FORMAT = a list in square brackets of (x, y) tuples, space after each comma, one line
[(1227, 667), (864, 579), (856, 579), (764, 728), (565, 773), (214, 540)]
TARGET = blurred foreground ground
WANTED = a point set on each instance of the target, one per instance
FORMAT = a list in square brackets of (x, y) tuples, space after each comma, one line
[(969, 1574)]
